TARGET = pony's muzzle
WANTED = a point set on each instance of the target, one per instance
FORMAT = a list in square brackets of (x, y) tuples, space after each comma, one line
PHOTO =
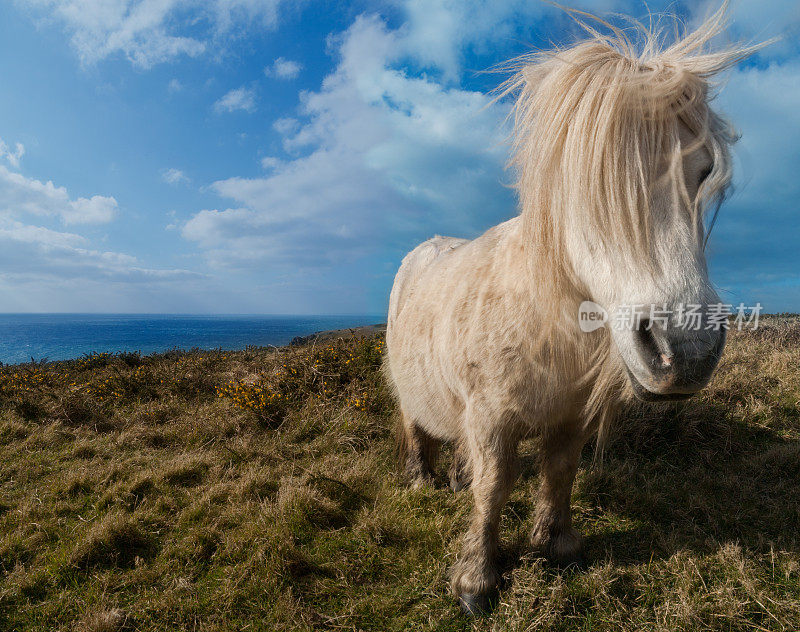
[(673, 363)]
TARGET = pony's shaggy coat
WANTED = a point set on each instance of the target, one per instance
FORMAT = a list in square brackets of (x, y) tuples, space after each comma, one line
[(483, 342)]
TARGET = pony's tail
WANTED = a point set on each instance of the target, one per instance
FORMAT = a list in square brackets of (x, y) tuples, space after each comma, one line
[(400, 435)]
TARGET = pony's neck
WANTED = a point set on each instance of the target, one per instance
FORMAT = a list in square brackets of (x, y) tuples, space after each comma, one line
[(548, 270), (541, 291), (548, 328)]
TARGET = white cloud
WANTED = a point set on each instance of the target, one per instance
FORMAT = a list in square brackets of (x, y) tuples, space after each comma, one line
[(283, 69), (174, 86), (384, 153), (17, 231), (19, 194), (285, 126), (13, 156), (243, 98), (270, 162), (758, 21), (33, 252), (46, 269), (98, 209), (438, 31), (764, 102), (174, 176), (36, 276), (148, 32), (755, 241)]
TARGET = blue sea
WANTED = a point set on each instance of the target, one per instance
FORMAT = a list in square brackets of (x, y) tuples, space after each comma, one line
[(65, 336)]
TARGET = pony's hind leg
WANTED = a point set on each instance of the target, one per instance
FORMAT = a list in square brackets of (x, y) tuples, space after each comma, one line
[(418, 452), (553, 535), (460, 469)]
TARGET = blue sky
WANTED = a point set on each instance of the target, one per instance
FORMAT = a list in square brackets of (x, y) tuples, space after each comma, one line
[(273, 156)]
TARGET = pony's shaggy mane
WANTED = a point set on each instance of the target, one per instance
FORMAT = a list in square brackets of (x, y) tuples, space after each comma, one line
[(595, 122)]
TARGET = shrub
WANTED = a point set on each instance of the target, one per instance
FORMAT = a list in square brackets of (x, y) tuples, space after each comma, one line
[(342, 371)]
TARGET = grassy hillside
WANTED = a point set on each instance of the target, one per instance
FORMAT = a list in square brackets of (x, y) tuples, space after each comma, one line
[(257, 490)]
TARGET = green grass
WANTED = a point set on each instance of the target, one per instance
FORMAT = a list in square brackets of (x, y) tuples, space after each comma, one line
[(258, 490)]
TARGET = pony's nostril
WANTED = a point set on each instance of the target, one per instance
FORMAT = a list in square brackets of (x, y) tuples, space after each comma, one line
[(652, 352)]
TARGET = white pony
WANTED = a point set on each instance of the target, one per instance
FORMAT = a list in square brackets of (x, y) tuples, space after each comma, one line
[(618, 154)]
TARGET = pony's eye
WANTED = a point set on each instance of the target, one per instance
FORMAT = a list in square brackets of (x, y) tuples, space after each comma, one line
[(705, 173)]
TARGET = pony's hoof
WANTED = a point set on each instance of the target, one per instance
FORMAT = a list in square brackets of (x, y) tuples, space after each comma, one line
[(476, 605), (567, 558), (563, 551)]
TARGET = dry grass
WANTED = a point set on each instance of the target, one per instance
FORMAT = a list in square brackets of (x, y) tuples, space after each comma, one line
[(170, 492)]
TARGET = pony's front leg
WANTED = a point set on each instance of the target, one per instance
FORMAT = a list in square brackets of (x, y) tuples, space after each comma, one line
[(553, 535), (475, 576)]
